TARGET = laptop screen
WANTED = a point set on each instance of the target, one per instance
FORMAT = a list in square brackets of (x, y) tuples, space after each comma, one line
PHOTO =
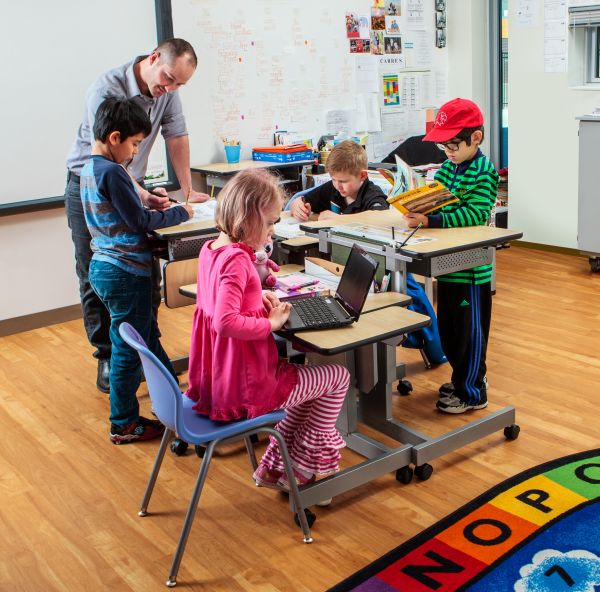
[(356, 280)]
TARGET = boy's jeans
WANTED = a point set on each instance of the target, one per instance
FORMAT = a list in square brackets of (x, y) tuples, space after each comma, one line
[(128, 297)]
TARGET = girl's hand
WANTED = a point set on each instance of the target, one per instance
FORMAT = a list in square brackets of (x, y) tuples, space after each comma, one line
[(279, 314), (413, 220), (270, 300)]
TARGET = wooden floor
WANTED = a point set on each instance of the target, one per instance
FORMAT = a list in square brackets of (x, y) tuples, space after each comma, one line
[(68, 497)]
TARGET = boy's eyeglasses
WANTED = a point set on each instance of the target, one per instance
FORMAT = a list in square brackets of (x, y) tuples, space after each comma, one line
[(450, 146)]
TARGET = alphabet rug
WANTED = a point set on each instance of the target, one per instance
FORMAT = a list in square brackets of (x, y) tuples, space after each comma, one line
[(538, 531)]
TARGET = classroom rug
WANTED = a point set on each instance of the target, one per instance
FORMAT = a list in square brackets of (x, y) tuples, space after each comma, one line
[(538, 531)]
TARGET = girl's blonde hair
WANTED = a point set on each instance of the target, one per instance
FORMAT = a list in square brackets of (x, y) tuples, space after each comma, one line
[(243, 203)]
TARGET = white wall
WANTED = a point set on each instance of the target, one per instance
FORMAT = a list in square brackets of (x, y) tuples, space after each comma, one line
[(543, 142), (37, 264)]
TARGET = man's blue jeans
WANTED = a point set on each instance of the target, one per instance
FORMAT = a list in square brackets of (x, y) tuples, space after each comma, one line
[(128, 298)]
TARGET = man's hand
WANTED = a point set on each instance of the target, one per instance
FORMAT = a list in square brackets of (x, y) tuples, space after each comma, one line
[(413, 219), (197, 197), (300, 209), (157, 200), (327, 214)]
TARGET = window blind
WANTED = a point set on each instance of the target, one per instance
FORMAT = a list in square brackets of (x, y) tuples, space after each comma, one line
[(584, 16)]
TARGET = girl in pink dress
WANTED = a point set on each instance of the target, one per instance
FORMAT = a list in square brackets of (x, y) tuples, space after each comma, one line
[(234, 369)]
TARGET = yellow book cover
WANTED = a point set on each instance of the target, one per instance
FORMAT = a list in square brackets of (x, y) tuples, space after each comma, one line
[(422, 200)]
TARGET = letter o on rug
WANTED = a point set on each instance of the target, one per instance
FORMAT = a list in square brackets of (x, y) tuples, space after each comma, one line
[(504, 532)]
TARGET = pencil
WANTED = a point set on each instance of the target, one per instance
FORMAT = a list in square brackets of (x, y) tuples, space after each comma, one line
[(151, 191), (187, 197), (212, 191)]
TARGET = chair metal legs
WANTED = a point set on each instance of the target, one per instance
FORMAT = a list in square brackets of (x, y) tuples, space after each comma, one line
[(189, 517), (251, 453), (157, 463)]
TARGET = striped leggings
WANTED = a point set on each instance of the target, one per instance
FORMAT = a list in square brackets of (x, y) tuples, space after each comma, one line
[(309, 426)]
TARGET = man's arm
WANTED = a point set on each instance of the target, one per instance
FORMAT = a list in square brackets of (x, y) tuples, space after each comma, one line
[(179, 151)]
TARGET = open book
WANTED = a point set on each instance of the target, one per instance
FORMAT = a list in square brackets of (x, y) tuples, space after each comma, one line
[(422, 200)]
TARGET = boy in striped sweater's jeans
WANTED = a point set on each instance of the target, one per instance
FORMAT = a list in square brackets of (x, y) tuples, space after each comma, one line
[(464, 297)]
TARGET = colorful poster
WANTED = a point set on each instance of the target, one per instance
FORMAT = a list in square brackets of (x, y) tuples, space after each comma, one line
[(352, 26), (391, 94), (392, 44), (377, 42), (378, 23), (364, 27), (360, 46), (378, 3)]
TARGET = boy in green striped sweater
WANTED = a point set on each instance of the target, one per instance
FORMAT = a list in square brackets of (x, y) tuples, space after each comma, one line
[(464, 297)]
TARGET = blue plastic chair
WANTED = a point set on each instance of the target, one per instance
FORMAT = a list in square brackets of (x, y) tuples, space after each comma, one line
[(175, 411), (288, 205)]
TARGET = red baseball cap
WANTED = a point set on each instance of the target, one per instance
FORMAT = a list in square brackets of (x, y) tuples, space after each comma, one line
[(453, 117)]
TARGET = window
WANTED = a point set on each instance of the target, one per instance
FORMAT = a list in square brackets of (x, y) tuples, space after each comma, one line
[(584, 21)]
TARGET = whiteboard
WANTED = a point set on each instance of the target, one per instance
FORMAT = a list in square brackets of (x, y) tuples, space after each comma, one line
[(52, 52), (269, 65)]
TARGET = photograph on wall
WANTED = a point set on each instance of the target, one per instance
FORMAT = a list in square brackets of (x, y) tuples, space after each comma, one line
[(352, 24), (364, 27), (392, 25), (360, 46), (392, 8), (391, 92), (440, 38), (440, 4), (392, 44), (378, 3), (378, 23), (377, 42), (440, 19)]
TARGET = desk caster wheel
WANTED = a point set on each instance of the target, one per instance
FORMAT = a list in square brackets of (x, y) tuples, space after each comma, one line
[(404, 387), (423, 472), (511, 432), (310, 518), (404, 475), (594, 264), (178, 447), (200, 450)]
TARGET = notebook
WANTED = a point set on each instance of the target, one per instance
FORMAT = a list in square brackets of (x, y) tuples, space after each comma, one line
[(328, 312)]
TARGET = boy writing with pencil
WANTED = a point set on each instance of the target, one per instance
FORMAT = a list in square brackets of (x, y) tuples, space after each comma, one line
[(464, 297), (121, 266), (350, 191)]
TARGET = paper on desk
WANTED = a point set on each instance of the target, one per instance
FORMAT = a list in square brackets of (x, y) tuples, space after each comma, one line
[(203, 212), (288, 228), (324, 276)]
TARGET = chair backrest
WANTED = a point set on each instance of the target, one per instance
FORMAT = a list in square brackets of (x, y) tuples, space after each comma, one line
[(162, 387), (414, 152), (288, 205)]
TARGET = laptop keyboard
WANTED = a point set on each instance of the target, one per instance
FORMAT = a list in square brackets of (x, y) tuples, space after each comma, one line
[(314, 312)]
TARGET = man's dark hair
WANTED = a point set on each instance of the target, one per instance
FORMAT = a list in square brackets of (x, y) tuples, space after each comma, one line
[(465, 134), (118, 114), (175, 48)]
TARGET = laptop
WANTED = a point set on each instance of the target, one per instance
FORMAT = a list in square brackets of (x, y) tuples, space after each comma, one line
[(328, 312)]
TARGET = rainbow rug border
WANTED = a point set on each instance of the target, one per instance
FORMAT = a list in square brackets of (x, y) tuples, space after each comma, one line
[(562, 477)]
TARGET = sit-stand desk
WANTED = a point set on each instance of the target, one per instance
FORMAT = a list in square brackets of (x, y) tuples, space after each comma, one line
[(451, 250), (217, 174)]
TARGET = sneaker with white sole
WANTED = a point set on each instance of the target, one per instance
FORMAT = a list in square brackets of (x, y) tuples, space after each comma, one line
[(447, 388), (452, 404)]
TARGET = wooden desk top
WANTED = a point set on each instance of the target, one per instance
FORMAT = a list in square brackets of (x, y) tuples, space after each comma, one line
[(225, 168), (372, 327), (446, 240)]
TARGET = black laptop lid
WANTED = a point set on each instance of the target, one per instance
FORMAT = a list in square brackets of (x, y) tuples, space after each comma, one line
[(356, 280)]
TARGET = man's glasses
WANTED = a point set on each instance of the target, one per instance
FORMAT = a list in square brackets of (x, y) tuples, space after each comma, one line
[(450, 146)]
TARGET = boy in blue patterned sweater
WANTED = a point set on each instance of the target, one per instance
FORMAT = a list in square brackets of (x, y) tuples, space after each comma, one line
[(120, 270)]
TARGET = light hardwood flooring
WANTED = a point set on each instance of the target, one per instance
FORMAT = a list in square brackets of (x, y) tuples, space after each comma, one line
[(69, 498)]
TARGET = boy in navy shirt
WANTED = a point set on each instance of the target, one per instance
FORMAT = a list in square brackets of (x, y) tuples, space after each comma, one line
[(350, 191), (120, 270)]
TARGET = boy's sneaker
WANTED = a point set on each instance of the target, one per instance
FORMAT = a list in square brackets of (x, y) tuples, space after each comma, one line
[(447, 389), (452, 404), (142, 429)]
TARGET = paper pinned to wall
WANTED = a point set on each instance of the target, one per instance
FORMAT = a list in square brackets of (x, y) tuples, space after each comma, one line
[(395, 121), (340, 121), (415, 11), (368, 118), (527, 13), (367, 74), (555, 35), (419, 50)]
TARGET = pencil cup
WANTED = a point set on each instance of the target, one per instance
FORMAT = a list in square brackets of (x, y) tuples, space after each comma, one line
[(232, 153)]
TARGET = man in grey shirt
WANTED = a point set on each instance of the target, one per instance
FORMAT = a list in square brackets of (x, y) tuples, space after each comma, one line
[(152, 81)]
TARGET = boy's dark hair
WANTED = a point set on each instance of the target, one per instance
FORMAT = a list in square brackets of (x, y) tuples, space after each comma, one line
[(118, 114), (175, 48), (465, 134)]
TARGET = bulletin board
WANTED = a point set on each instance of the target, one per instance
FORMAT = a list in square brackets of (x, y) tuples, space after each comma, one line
[(272, 65)]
